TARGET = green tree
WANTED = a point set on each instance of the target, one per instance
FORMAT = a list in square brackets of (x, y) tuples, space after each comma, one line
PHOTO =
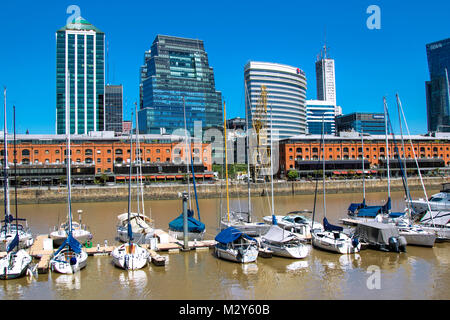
[(292, 175)]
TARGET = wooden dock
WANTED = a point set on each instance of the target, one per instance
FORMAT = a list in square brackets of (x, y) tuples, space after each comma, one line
[(166, 244)]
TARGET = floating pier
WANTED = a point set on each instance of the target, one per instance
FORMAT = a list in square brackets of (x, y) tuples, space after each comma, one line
[(41, 249)]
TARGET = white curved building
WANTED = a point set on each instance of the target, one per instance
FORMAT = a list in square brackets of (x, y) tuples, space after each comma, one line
[(286, 96)]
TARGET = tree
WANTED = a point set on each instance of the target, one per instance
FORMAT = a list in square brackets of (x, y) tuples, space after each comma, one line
[(292, 175)]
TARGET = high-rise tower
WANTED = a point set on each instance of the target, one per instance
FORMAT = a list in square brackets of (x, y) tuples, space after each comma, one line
[(80, 74), (325, 76)]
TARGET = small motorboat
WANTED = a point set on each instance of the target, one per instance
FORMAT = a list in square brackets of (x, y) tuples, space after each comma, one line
[(284, 243), (233, 245)]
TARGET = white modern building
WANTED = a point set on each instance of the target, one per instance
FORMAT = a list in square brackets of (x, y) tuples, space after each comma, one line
[(286, 97), (325, 76), (318, 110)]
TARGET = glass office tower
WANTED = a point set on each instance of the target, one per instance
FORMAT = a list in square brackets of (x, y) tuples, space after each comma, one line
[(80, 58), (370, 123), (178, 68), (437, 89), (114, 108)]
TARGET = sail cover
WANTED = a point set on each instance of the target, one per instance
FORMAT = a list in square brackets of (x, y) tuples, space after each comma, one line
[(277, 234), (14, 243), (375, 232), (329, 227), (70, 242), (193, 224), (231, 234)]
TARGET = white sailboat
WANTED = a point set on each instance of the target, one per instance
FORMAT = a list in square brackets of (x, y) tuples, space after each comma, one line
[(69, 258), (233, 244), (10, 229), (413, 234), (16, 262), (244, 220), (141, 224), (130, 256), (333, 238), (196, 228), (282, 243)]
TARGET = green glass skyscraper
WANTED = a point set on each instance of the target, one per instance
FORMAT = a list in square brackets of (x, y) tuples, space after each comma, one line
[(80, 74)]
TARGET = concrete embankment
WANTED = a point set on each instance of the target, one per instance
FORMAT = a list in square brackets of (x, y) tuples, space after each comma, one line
[(205, 191)]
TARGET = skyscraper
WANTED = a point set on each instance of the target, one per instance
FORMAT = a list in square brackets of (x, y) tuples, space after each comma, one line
[(178, 69), (143, 77), (114, 108), (80, 59), (437, 89), (318, 110), (325, 76), (286, 96)]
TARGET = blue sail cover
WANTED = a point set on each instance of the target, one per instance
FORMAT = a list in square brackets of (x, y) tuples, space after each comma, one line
[(274, 220), (355, 206), (369, 212), (231, 234), (14, 243), (72, 243), (193, 224), (329, 227), (387, 207)]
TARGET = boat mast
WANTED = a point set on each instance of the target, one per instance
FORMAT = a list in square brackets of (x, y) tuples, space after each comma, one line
[(248, 159), (139, 171), (69, 174), (363, 169), (226, 158), (187, 153), (324, 167), (271, 161), (387, 150), (130, 235), (415, 159), (15, 174), (408, 195), (5, 169)]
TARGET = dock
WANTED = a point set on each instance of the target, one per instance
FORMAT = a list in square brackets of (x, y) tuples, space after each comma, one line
[(41, 251), (350, 222)]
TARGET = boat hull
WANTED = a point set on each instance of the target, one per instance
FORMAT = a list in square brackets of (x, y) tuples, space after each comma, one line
[(59, 237), (60, 264), (130, 259), (297, 252), (230, 254), (18, 268), (192, 236), (326, 241), (25, 240), (418, 238)]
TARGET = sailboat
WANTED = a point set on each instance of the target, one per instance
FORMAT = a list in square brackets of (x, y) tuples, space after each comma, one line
[(130, 256), (9, 229), (243, 220), (69, 258), (413, 234), (196, 228), (16, 262), (281, 242), (332, 238), (233, 244), (140, 223)]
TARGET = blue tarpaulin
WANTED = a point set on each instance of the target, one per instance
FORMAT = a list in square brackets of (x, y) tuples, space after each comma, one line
[(231, 234), (193, 224), (329, 227), (369, 212), (396, 214), (355, 206)]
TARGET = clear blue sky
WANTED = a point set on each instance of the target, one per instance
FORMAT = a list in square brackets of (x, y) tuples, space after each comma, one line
[(369, 63)]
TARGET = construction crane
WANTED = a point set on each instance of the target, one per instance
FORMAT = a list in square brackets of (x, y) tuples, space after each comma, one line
[(259, 122)]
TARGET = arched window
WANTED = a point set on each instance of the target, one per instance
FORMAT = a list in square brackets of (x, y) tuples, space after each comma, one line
[(315, 150), (119, 160), (26, 153), (345, 150), (119, 152), (299, 150), (88, 160), (26, 161), (382, 149), (88, 152)]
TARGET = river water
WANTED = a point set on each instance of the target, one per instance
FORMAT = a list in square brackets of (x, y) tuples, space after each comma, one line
[(421, 273)]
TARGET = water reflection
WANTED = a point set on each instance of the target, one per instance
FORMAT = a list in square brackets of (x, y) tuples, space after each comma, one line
[(136, 279), (297, 266), (67, 281)]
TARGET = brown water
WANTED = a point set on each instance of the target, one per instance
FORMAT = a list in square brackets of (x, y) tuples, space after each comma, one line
[(421, 273)]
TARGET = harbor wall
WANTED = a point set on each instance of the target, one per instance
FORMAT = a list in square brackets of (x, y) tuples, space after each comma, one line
[(214, 190)]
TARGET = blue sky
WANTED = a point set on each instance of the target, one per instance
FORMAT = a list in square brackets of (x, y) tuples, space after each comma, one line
[(370, 64)]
